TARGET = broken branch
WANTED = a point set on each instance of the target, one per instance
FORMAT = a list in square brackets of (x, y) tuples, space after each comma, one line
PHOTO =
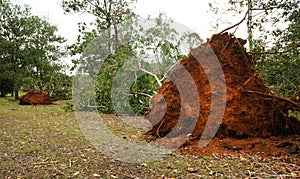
[(228, 28), (273, 96)]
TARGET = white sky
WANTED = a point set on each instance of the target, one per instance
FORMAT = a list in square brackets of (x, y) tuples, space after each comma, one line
[(194, 14)]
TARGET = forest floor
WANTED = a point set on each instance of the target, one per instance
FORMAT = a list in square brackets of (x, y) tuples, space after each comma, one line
[(46, 142)]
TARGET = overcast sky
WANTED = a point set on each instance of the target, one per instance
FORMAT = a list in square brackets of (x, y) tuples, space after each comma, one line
[(194, 14)]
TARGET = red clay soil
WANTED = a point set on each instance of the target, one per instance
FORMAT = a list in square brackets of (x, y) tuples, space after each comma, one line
[(252, 110), (266, 147), (33, 98)]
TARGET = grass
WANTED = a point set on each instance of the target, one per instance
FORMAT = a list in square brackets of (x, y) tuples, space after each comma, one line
[(46, 142)]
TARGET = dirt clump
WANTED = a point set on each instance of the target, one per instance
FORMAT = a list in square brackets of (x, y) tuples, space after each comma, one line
[(251, 110), (35, 98)]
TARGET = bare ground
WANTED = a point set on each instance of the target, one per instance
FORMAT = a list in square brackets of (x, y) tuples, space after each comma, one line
[(46, 142)]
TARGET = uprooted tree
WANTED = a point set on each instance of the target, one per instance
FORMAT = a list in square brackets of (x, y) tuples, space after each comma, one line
[(252, 110), (33, 98), (30, 50), (273, 39)]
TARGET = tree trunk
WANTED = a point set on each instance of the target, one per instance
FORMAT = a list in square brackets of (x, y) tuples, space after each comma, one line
[(249, 26), (15, 87), (116, 36), (15, 72), (2, 89), (109, 41), (16, 94)]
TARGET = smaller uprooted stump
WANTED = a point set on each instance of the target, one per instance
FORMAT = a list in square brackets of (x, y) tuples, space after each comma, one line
[(251, 109), (33, 98)]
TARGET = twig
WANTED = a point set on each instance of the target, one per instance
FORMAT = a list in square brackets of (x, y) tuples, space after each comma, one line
[(215, 157), (149, 73), (208, 168), (44, 163), (242, 49), (228, 28), (197, 175), (263, 165), (250, 78), (152, 74), (158, 128), (171, 68), (62, 173), (133, 93), (247, 13)]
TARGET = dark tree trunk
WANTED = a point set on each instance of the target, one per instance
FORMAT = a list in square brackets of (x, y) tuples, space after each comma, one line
[(2, 87), (2, 91), (16, 88), (249, 26)]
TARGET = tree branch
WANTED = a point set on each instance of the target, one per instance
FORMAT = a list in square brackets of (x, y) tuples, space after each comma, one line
[(246, 14), (273, 96), (152, 74), (274, 53), (228, 28), (133, 93), (166, 74), (269, 8), (149, 73)]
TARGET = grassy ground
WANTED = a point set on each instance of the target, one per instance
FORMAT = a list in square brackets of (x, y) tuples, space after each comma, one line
[(46, 142)]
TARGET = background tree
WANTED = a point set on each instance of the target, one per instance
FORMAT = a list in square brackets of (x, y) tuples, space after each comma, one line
[(148, 52), (29, 47), (104, 53), (13, 34), (108, 14), (45, 51), (274, 40), (280, 64)]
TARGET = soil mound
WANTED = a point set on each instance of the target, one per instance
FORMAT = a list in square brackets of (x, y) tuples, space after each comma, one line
[(33, 98), (251, 110)]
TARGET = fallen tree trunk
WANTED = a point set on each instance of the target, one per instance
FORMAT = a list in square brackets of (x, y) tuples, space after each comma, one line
[(251, 109)]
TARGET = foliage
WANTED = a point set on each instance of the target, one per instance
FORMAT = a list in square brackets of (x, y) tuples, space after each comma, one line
[(274, 40), (119, 38), (279, 69), (108, 70), (29, 47), (13, 34), (146, 54), (60, 86), (295, 114), (142, 89), (95, 46), (267, 19), (279, 72), (108, 14)]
